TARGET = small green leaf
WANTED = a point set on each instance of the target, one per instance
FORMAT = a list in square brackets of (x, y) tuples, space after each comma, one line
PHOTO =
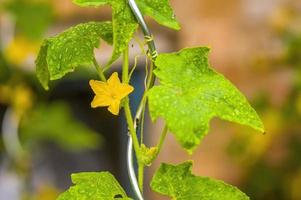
[(191, 94), (147, 155), (161, 11), (42, 67), (94, 185), (62, 53), (179, 183), (124, 22)]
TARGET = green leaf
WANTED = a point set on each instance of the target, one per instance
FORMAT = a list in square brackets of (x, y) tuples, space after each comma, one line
[(179, 183), (191, 94), (94, 185), (124, 22), (161, 11), (42, 67), (55, 123), (62, 53)]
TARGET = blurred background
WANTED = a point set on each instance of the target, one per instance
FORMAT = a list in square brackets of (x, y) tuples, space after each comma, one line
[(46, 136)]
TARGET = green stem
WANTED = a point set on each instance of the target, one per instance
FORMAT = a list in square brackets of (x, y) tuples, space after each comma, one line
[(140, 176), (139, 113), (149, 85), (127, 109), (125, 66), (162, 139), (129, 118), (142, 126), (99, 71)]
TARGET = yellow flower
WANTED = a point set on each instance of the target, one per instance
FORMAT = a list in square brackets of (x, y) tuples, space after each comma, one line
[(20, 49), (22, 99), (19, 97), (110, 93)]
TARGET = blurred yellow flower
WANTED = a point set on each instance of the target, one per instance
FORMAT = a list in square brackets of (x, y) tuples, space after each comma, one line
[(19, 97), (110, 93), (282, 18), (19, 49), (46, 192), (5, 94), (22, 99)]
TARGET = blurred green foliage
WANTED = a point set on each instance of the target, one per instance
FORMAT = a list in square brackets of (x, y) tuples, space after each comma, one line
[(273, 164), (5, 71), (55, 123), (32, 18), (42, 121)]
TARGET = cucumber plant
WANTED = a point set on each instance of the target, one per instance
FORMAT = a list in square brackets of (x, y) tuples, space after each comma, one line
[(189, 95)]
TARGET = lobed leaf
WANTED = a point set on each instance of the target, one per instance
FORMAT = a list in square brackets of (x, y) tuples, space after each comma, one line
[(191, 94), (124, 22), (161, 11), (94, 185), (61, 54), (179, 183)]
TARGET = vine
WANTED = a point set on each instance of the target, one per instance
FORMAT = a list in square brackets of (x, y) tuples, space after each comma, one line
[(189, 95)]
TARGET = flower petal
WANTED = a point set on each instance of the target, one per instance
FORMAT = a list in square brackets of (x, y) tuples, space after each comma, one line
[(113, 81), (114, 107), (99, 87), (124, 90), (101, 101)]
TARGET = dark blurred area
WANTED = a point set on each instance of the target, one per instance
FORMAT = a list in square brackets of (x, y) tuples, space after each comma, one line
[(47, 135)]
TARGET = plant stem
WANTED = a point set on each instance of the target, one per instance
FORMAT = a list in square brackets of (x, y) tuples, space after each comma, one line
[(162, 139), (127, 109), (129, 119), (152, 49), (140, 176), (125, 66), (99, 70), (141, 107), (132, 129), (138, 116)]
